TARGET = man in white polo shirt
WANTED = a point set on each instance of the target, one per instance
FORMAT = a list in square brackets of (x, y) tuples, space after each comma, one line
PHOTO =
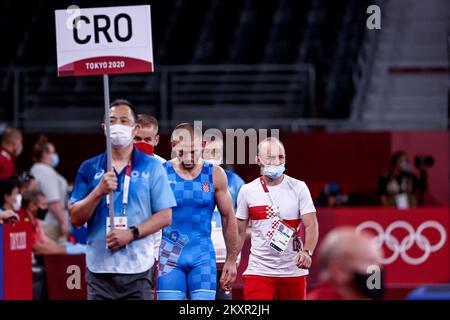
[(276, 204)]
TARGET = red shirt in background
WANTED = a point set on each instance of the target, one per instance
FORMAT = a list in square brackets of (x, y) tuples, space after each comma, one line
[(37, 235), (7, 166), (324, 291)]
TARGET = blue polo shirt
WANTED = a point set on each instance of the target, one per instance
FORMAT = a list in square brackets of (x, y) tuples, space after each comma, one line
[(149, 192)]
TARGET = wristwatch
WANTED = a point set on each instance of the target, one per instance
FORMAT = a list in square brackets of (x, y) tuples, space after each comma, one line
[(308, 252), (135, 232)]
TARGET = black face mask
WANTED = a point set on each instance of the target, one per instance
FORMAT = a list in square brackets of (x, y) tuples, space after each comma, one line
[(41, 213), (362, 283)]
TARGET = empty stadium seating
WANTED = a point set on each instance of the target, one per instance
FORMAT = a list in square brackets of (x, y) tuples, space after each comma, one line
[(315, 39)]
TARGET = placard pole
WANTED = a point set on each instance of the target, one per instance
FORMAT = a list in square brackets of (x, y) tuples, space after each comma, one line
[(108, 146)]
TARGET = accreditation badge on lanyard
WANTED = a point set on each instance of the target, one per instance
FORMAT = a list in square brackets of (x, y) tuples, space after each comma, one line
[(121, 222), (282, 232)]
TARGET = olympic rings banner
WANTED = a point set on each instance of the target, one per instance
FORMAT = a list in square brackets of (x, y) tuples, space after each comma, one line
[(415, 241)]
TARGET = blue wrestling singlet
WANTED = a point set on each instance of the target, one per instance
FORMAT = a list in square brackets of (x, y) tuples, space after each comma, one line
[(187, 262)]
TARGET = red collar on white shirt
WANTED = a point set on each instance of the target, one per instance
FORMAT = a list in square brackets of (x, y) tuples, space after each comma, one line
[(6, 154)]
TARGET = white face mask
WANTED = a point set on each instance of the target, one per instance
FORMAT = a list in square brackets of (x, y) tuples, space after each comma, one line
[(19, 150), (216, 162), (273, 171), (121, 135), (17, 204)]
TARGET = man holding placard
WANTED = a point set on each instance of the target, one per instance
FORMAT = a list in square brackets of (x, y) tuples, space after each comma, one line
[(122, 194), (120, 260)]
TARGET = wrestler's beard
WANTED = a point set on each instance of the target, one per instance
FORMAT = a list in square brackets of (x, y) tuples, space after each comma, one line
[(190, 164)]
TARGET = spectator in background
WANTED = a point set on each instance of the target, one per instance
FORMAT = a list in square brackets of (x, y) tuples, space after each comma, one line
[(54, 186), (11, 147), (344, 259), (9, 194), (27, 182), (8, 216), (331, 196), (34, 209), (398, 188)]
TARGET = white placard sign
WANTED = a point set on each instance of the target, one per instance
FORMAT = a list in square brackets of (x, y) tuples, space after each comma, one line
[(110, 40)]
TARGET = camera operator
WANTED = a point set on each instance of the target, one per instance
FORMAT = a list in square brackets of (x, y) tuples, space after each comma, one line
[(422, 163), (400, 187)]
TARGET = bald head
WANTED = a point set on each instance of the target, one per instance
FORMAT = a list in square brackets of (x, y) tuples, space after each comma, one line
[(12, 140), (269, 144), (271, 152), (186, 132), (347, 249), (187, 144)]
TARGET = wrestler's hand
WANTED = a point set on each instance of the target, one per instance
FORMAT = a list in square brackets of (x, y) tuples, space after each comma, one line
[(228, 275)]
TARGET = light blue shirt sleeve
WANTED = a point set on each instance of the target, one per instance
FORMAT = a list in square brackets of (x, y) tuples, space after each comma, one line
[(81, 187), (235, 184), (161, 194)]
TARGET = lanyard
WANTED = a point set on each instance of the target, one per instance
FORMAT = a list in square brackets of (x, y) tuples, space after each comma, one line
[(126, 189), (266, 190)]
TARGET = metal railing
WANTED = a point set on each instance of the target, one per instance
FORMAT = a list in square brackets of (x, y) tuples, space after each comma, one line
[(247, 94), (232, 87)]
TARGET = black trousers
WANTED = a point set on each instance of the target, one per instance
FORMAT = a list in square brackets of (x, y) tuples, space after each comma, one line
[(117, 286)]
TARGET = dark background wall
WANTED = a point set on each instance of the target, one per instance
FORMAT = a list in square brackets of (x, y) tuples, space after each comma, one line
[(353, 159)]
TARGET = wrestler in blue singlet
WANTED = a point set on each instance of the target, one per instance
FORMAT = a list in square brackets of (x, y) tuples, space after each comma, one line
[(187, 263)]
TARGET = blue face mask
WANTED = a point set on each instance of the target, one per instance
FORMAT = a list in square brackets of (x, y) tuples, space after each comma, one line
[(405, 166), (273, 172), (55, 160)]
